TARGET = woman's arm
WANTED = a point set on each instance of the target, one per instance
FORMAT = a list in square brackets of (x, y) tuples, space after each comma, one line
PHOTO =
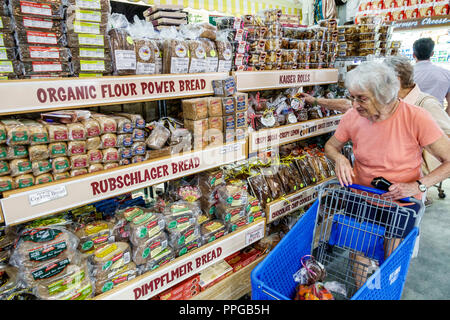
[(441, 150), (344, 170), (341, 105)]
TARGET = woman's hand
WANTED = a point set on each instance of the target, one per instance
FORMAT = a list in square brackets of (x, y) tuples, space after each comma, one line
[(402, 190), (344, 171), (308, 98)]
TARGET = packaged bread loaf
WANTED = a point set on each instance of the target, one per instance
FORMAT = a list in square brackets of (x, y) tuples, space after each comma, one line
[(95, 156), (175, 56), (197, 56), (122, 52), (7, 53), (92, 127), (57, 149), (149, 248), (20, 166), (43, 178), (57, 132), (60, 165), (146, 49), (194, 109), (43, 66), (37, 23), (93, 143), (76, 148), (138, 149), (95, 167), (65, 116), (109, 258), (108, 140), (126, 273), (107, 124), (38, 152), (41, 37), (50, 9), (28, 52), (6, 183), (61, 176), (16, 132), (6, 39), (76, 13), (124, 140), (86, 53), (77, 40), (78, 172), (158, 136), (16, 152), (77, 131), (123, 124), (4, 152), (145, 226), (10, 69), (24, 181), (2, 134), (137, 119), (79, 161), (138, 135), (4, 168), (103, 66), (5, 23), (110, 155), (40, 167), (225, 55), (125, 153), (110, 165)]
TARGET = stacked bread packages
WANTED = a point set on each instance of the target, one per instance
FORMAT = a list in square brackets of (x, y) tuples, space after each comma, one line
[(87, 23), (9, 66), (166, 15)]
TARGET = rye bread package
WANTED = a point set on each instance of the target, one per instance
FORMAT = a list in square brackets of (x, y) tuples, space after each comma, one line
[(122, 46), (175, 52)]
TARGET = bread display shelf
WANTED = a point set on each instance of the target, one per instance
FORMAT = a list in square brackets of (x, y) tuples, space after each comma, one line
[(65, 93), (22, 205), (267, 138), (278, 79), (292, 202), (232, 287), (151, 283)]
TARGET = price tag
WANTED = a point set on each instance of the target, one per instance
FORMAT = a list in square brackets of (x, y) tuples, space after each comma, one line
[(47, 195), (254, 235)]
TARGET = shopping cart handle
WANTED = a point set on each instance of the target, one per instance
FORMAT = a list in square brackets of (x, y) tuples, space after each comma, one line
[(375, 191)]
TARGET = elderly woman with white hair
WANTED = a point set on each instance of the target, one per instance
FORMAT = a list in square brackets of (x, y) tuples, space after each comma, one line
[(388, 136)]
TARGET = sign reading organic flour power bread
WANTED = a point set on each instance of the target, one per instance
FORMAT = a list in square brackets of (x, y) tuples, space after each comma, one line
[(74, 192), (73, 92)]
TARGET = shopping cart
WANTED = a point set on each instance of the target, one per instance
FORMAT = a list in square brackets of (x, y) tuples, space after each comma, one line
[(345, 232)]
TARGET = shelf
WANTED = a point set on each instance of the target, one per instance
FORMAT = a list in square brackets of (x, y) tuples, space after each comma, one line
[(232, 287), (151, 283), (267, 138), (64, 93), (292, 202), (278, 79), (137, 3), (57, 196)]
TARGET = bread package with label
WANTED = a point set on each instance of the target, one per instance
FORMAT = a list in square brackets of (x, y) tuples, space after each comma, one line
[(145, 226), (40, 167), (146, 50), (43, 178), (16, 132), (78, 172), (138, 149), (77, 131), (121, 275), (92, 66), (95, 167), (61, 176), (212, 60), (107, 124), (2, 134), (225, 55), (110, 155), (110, 258), (57, 149), (158, 136), (50, 9), (7, 53), (6, 39), (175, 52), (79, 161), (109, 140), (4, 168), (87, 53), (92, 127), (60, 165), (124, 140), (197, 127), (76, 147), (110, 165), (93, 143), (5, 23), (37, 132), (11, 69), (38, 152), (20, 166), (195, 109), (57, 132), (137, 119), (123, 52), (24, 181), (6, 183), (95, 156), (77, 40), (16, 152), (45, 67), (124, 125), (197, 56), (29, 52), (150, 248)]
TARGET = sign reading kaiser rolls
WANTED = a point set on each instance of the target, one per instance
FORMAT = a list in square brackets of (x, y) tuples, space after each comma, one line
[(74, 92)]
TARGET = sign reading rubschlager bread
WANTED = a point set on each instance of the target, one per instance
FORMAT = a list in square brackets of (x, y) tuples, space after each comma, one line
[(72, 92)]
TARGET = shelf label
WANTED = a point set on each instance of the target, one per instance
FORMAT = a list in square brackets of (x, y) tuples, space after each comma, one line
[(46, 195), (266, 138), (71, 92), (254, 235)]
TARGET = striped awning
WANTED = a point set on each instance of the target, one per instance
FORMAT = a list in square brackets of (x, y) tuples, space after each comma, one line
[(235, 7)]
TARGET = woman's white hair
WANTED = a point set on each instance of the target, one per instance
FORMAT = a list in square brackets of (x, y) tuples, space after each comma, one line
[(377, 78)]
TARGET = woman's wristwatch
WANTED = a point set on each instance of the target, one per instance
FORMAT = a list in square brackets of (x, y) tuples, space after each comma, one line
[(422, 187)]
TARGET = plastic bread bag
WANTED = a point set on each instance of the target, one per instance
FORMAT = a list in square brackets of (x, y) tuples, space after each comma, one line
[(75, 12), (230, 214), (138, 149), (137, 119), (4, 168), (197, 243), (40, 38), (107, 124), (57, 132), (51, 9), (123, 52), (212, 59), (124, 140), (7, 53), (65, 116), (109, 258), (110, 155), (145, 226), (82, 291), (76, 148), (37, 132), (158, 136), (9, 279), (123, 124), (197, 56), (30, 52), (38, 245), (165, 256), (6, 39), (2, 134), (16, 132), (95, 167), (306, 172), (149, 248), (57, 149), (179, 216), (313, 165), (175, 52), (11, 69), (88, 66), (260, 188), (212, 230), (43, 178), (23, 181), (37, 67), (108, 140), (78, 172), (234, 193), (40, 167), (224, 52), (92, 127), (60, 165), (15, 152), (93, 235), (77, 40), (20, 166), (143, 34), (38, 152), (102, 5), (88, 53), (61, 175), (93, 143), (126, 273), (79, 161)]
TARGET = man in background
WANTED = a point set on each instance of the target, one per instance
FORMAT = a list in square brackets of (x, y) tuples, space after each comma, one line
[(430, 78)]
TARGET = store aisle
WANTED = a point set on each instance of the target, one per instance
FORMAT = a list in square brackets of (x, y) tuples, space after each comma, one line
[(428, 274)]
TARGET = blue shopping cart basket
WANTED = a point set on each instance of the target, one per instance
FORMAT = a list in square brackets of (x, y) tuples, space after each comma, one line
[(338, 226)]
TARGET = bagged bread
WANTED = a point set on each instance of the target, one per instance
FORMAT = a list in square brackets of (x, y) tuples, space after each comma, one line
[(76, 147), (175, 52), (77, 131), (92, 127), (138, 149), (110, 165), (4, 168), (65, 116), (124, 125), (24, 181), (79, 161), (40, 167), (158, 137), (95, 167), (109, 140), (60, 165), (4, 152), (16, 132), (123, 274), (6, 183), (137, 120), (36, 51), (110, 155), (43, 178), (38, 152), (20, 166), (57, 149), (138, 135), (2, 133), (195, 109), (85, 66), (54, 9), (225, 55), (197, 56), (93, 143), (110, 258), (95, 156), (107, 124), (61, 176), (123, 52), (124, 140), (77, 40), (16, 152), (146, 49), (57, 132), (37, 132), (78, 172)]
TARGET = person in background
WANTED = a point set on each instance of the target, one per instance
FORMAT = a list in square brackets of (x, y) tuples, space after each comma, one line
[(410, 93), (430, 78), (388, 136)]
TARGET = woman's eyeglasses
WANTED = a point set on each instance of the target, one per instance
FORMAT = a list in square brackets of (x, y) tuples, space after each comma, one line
[(359, 99)]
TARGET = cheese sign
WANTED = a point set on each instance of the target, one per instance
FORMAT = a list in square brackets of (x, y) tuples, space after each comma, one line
[(267, 138), (72, 92), (39, 201)]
